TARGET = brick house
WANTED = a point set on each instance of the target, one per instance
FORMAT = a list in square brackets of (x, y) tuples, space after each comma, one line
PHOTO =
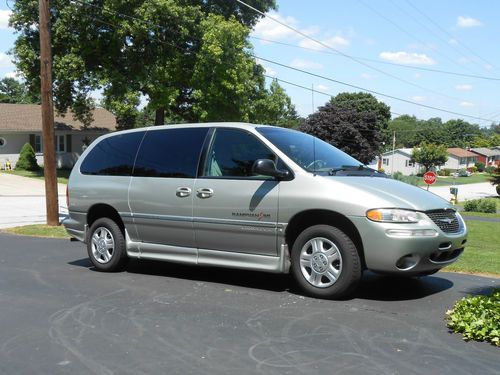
[(22, 123), (487, 156)]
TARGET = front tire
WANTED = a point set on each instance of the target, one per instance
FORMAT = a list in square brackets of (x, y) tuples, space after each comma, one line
[(106, 245), (325, 262)]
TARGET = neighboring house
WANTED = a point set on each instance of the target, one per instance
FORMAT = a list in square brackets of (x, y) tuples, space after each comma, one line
[(399, 161), (487, 156), (22, 123), (458, 158)]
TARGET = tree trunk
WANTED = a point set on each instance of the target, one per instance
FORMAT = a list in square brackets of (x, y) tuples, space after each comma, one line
[(160, 116)]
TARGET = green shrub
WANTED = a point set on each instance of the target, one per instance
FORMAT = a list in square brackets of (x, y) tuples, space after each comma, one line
[(447, 171), (477, 317), (27, 159), (441, 172), (412, 180), (472, 169), (463, 173), (490, 169), (480, 205), (480, 166), (471, 206)]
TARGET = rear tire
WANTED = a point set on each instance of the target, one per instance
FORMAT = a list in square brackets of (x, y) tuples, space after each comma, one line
[(325, 262), (106, 246)]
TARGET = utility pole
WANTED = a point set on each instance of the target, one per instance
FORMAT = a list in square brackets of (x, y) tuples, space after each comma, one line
[(393, 147), (49, 160)]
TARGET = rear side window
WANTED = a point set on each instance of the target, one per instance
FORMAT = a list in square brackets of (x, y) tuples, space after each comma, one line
[(170, 153), (113, 156)]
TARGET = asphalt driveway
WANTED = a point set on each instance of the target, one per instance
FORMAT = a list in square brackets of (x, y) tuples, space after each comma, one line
[(58, 315)]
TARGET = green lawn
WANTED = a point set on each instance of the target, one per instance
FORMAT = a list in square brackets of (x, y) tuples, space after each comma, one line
[(62, 174), (482, 251), (448, 181), (39, 230)]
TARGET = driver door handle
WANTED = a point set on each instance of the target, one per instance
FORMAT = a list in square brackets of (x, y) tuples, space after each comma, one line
[(183, 192), (205, 193)]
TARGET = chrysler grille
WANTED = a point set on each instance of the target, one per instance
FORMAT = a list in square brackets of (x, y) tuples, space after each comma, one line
[(446, 220)]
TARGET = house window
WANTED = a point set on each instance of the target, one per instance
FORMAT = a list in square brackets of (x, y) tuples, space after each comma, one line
[(463, 160), (60, 143), (38, 143), (409, 163), (385, 161)]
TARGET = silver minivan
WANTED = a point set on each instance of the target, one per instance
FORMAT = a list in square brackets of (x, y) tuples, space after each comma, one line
[(254, 197)]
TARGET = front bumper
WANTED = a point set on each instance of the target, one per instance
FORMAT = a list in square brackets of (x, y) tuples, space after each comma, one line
[(408, 248)]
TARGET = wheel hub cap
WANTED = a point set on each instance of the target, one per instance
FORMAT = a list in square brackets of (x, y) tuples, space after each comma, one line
[(319, 263)]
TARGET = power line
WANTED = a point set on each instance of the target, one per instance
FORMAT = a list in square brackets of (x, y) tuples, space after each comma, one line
[(306, 72), (381, 62), (373, 91), (446, 32), (407, 32)]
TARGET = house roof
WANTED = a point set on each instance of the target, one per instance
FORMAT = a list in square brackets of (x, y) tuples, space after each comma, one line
[(460, 152), (406, 151), (28, 117), (485, 151)]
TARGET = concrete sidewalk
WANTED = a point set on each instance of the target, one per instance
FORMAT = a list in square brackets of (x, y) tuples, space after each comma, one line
[(466, 191), (22, 201)]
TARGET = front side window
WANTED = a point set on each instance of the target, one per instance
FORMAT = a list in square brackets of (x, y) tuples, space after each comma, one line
[(113, 156), (311, 153), (170, 153), (233, 153)]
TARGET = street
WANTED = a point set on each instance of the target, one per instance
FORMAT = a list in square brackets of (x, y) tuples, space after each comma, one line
[(60, 316)]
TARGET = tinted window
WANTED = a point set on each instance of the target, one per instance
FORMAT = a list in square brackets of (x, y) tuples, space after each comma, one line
[(170, 153), (233, 153), (113, 156)]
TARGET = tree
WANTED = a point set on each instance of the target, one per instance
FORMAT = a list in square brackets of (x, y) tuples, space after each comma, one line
[(275, 108), (430, 155), (226, 77), (354, 132), (364, 102), (460, 133), (126, 48), (27, 159), (14, 91)]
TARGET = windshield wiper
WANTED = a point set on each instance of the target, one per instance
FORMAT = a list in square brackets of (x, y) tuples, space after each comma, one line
[(361, 167)]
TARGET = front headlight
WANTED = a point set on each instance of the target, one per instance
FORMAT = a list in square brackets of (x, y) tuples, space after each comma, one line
[(392, 215)]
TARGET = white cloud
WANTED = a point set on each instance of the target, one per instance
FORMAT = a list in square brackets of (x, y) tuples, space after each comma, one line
[(305, 64), (463, 60), (468, 22), (270, 72), (4, 18), (488, 67), (407, 58), (464, 87), (268, 29), (453, 42), (417, 75), (418, 98), (321, 87), (5, 61), (14, 75), (367, 76), (466, 104), (334, 41)]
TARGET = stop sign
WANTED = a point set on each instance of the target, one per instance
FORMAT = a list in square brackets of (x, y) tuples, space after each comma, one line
[(430, 177)]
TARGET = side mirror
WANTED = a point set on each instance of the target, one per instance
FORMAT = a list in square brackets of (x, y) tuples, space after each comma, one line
[(266, 167)]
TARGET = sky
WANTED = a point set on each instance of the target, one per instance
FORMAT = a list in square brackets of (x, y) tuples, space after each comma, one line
[(385, 46)]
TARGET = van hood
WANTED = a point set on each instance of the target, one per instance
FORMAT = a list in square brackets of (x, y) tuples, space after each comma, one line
[(388, 193)]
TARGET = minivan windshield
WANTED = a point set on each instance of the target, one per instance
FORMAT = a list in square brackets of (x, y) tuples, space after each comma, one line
[(313, 154)]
